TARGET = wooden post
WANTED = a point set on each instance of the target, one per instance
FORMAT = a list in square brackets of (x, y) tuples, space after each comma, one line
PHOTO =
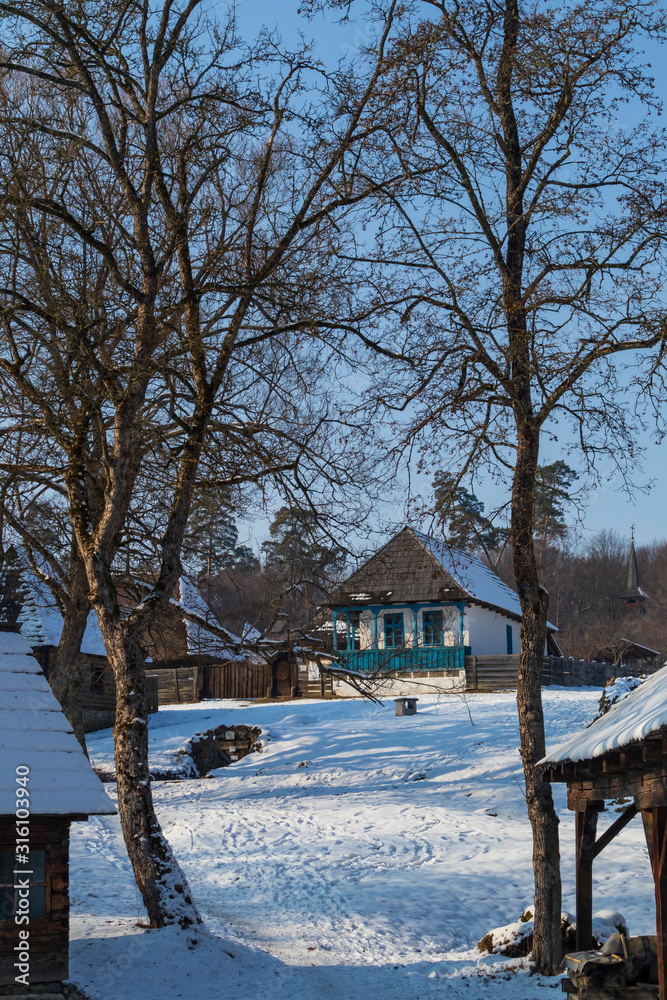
[(178, 693), (586, 821), (655, 829), (474, 672)]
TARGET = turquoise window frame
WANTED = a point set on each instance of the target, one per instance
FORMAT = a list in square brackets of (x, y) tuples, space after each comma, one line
[(393, 626), (433, 624)]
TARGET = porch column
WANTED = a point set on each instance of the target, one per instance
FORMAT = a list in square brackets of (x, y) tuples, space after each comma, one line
[(335, 629), (461, 635), (586, 822), (375, 629), (655, 829), (415, 617)]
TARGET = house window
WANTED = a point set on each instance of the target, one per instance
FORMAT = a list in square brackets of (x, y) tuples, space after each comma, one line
[(353, 633), (97, 678), (35, 870), (433, 628), (393, 631), (508, 631)]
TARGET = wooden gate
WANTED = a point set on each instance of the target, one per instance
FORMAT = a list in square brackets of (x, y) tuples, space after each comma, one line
[(238, 679), (283, 683)]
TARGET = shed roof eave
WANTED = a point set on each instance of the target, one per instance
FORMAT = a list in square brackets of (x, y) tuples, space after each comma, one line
[(641, 714)]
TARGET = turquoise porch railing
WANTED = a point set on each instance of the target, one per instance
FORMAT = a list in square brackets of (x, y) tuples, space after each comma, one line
[(421, 658)]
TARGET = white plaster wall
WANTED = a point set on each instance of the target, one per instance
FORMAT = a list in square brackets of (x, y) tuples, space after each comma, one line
[(409, 684), (450, 617), (485, 632), (366, 630)]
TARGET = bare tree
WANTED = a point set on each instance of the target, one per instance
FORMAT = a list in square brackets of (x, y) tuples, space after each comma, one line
[(202, 178), (526, 265)]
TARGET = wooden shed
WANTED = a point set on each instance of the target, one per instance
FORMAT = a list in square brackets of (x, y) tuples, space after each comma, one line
[(46, 783), (623, 754)]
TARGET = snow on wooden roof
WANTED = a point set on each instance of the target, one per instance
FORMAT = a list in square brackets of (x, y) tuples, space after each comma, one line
[(35, 733), (643, 712), (476, 579), (44, 626)]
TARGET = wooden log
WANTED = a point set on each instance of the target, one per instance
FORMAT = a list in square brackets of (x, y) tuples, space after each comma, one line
[(615, 829), (652, 752), (612, 763), (655, 829), (586, 821)]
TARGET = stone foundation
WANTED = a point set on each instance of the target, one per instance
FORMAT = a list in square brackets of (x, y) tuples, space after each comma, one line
[(222, 746), (409, 684)]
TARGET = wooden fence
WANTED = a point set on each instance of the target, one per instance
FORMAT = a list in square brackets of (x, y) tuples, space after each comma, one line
[(567, 672), (191, 679), (238, 679), (492, 673)]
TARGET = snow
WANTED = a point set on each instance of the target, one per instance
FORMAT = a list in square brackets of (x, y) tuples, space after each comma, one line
[(35, 733), (200, 639), (359, 855), (47, 628), (641, 713), (473, 576)]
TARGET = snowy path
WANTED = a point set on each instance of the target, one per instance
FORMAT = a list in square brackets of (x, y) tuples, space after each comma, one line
[(359, 856)]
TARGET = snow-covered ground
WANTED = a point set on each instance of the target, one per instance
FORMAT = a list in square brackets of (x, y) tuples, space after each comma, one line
[(359, 855)]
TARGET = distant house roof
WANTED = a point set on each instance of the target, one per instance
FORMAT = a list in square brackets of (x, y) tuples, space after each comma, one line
[(413, 566), (40, 618), (624, 650), (206, 635), (643, 712), (35, 733)]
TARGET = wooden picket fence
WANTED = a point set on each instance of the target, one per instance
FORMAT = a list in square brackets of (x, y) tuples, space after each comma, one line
[(493, 673)]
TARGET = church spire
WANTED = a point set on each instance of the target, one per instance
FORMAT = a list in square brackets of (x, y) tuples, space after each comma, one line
[(634, 595)]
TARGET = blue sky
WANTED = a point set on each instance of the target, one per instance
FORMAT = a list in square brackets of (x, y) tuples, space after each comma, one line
[(608, 504)]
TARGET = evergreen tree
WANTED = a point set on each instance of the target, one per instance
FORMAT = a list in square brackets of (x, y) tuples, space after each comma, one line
[(552, 486), (296, 548), (461, 513), (211, 541)]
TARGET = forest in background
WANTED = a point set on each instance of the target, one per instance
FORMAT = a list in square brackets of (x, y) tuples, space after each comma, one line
[(586, 580)]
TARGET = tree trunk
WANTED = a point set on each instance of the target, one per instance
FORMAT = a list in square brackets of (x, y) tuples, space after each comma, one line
[(547, 940), (74, 705), (163, 886), (65, 674)]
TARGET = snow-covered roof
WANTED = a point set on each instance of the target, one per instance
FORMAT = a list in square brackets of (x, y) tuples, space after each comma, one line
[(200, 638), (42, 622), (34, 733), (476, 579), (643, 712)]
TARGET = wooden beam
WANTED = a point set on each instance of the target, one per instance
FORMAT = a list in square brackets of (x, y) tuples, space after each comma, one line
[(652, 752), (632, 757), (615, 829), (655, 828), (586, 821), (612, 763)]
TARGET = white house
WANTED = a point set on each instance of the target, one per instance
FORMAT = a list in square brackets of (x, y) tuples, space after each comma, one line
[(428, 602)]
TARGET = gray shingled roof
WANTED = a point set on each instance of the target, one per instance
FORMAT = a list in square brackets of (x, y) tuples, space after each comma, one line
[(414, 566), (35, 733)]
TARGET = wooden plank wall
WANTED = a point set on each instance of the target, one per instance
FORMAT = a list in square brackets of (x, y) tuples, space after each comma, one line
[(492, 673), (49, 936), (175, 684)]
